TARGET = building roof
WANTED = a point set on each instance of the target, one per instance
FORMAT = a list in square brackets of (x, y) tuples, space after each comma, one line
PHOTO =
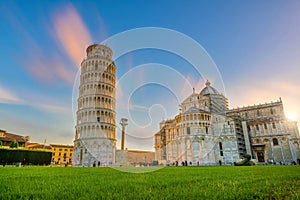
[(208, 89), (32, 144), (62, 145), (11, 137), (37, 146), (277, 103), (44, 146), (194, 110)]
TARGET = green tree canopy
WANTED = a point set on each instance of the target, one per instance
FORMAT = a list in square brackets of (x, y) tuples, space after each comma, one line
[(14, 144)]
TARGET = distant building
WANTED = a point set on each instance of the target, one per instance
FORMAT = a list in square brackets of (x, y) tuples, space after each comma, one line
[(135, 157), (8, 138), (207, 132), (62, 154)]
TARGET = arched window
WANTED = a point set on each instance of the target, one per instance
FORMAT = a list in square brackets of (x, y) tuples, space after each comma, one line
[(257, 127), (275, 141)]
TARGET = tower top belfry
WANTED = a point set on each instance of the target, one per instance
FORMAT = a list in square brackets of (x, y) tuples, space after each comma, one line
[(99, 51)]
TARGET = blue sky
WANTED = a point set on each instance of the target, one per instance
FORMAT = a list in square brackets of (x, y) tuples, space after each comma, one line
[(255, 45)]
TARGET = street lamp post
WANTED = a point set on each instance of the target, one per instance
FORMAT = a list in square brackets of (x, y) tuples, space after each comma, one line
[(124, 122)]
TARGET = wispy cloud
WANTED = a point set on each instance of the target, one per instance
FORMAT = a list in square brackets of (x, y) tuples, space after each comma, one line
[(44, 65), (8, 97), (54, 108), (47, 69), (71, 33), (102, 30), (65, 74), (72, 37)]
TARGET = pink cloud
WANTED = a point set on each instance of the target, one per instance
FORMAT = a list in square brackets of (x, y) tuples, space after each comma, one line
[(54, 108), (48, 69), (39, 68), (8, 97), (71, 33), (64, 73)]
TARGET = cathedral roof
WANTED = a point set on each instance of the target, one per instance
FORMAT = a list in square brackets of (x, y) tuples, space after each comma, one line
[(208, 89), (194, 110)]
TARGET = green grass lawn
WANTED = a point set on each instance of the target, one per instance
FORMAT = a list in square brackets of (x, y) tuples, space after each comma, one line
[(256, 182)]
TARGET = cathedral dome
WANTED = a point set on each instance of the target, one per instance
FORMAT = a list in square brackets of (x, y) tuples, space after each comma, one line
[(208, 89)]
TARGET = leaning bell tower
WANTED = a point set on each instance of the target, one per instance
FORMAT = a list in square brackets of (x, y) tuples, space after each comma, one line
[(95, 138)]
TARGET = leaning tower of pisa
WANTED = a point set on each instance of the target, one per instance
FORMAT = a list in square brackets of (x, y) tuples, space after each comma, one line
[(95, 138)]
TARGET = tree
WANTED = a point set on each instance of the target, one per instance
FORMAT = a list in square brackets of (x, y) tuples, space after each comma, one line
[(0, 143), (14, 144)]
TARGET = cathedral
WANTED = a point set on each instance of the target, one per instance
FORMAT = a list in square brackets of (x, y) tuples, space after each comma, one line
[(207, 132)]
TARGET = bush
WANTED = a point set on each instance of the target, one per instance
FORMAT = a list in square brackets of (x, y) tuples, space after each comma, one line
[(0, 143), (11, 156)]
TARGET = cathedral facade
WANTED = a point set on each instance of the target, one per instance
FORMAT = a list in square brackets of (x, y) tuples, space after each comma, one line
[(207, 132)]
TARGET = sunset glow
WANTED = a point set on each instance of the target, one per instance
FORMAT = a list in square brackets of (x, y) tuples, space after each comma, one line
[(292, 116)]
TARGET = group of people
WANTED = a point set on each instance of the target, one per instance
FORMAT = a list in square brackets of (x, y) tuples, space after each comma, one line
[(183, 163), (272, 162), (94, 164)]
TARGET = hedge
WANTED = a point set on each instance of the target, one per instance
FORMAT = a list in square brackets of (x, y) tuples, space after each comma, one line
[(26, 157)]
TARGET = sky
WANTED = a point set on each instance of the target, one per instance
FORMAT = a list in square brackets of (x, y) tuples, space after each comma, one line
[(255, 46)]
